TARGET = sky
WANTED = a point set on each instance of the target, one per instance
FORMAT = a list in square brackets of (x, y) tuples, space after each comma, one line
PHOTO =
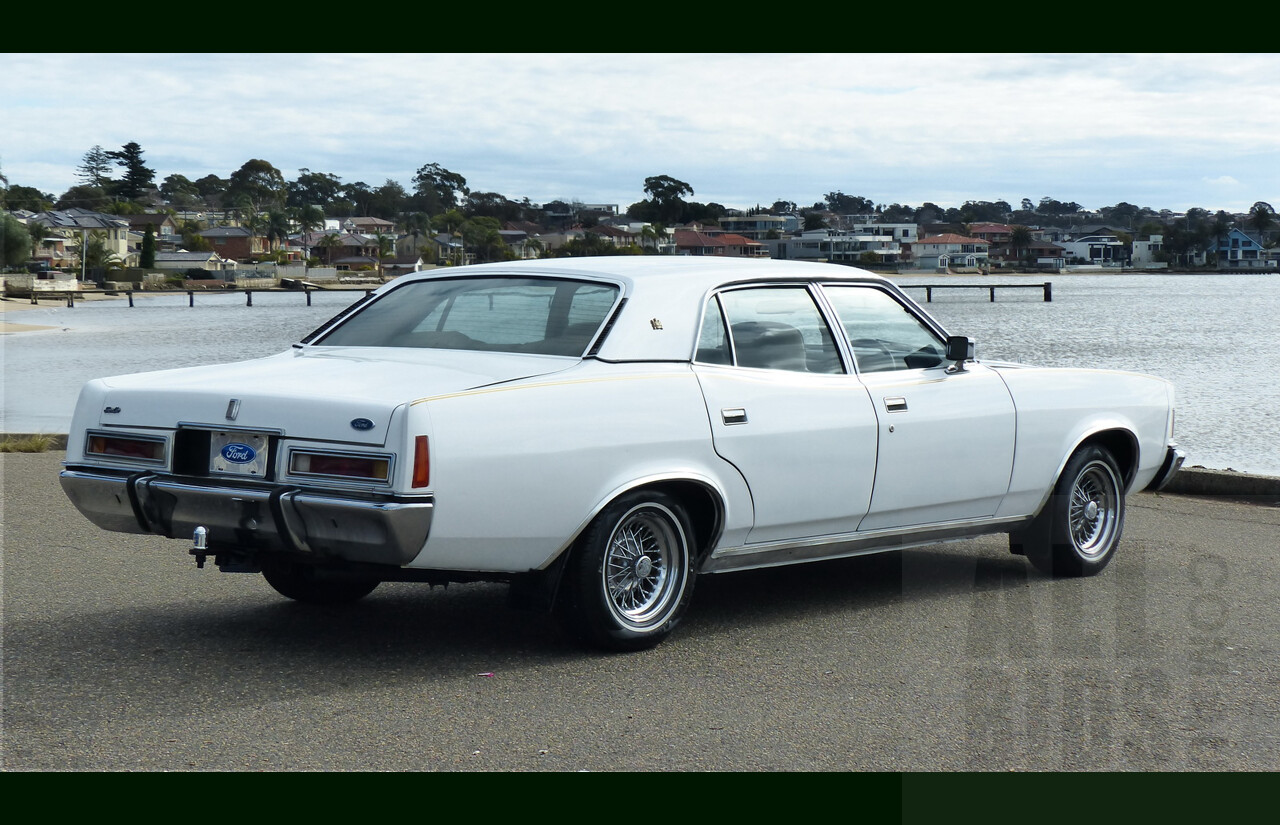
[(1165, 131)]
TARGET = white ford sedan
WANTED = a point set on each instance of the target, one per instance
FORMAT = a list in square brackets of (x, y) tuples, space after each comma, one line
[(598, 432)]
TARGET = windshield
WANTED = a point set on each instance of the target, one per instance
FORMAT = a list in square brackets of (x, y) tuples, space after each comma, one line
[(542, 316)]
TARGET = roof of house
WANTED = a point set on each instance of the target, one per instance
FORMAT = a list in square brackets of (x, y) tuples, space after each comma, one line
[(950, 237), (77, 218)]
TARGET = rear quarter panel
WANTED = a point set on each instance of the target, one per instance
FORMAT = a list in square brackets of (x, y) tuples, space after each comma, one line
[(518, 470)]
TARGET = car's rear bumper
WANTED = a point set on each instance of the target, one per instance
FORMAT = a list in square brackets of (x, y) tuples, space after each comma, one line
[(1173, 459), (253, 518)]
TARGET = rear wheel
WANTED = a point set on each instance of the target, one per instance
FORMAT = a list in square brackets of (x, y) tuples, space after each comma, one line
[(1080, 526), (305, 584), (630, 576)]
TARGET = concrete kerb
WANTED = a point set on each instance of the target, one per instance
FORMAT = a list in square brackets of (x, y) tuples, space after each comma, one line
[(1188, 481)]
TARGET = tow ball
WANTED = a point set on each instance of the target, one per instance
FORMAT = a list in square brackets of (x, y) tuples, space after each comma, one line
[(200, 545)]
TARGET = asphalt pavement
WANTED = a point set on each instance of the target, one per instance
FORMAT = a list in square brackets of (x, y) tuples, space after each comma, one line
[(120, 655)]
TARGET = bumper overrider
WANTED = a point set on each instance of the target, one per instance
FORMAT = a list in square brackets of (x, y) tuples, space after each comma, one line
[(1173, 458), (257, 518)]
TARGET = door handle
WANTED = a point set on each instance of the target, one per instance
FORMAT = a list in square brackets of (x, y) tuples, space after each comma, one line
[(736, 415), (895, 404)]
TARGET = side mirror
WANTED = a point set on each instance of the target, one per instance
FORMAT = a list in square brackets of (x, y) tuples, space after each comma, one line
[(959, 350)]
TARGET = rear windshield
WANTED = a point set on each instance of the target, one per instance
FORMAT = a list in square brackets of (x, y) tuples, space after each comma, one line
[(542, 316)]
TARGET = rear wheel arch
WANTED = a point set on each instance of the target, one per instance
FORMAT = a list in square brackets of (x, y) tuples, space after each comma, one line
[(628, 577)]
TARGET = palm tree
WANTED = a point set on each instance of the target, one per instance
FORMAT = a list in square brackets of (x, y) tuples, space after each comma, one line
[(1019, 239), (276, 227), (1261, 217), (329, 243)]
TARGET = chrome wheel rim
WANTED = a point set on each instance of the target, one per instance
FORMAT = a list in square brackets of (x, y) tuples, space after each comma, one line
[(1094, 511), (645, 566)]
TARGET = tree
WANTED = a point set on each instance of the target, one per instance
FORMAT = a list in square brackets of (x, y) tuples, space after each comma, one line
[(842, 204), (313, 188), (147, 259), (482, 238), (1019, 240), (28, 198), (1261, 217), (387, 201), (329, 243), (437, 188), (15, 241), (813, 220), (179, 191), (212, 189), (666, 195), (93, 252), (95, 168), (276, 228), (137, 177), (83, 197), (257, 183), (783, 207)]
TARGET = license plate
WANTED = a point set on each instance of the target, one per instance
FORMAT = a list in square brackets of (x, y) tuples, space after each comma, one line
[(241, 454)]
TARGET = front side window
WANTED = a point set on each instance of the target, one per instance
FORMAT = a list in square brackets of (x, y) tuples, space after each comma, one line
[(779, 328), (530, 315), (884, 335)]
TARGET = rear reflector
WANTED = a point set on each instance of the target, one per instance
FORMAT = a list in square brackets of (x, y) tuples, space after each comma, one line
[(421, 463)]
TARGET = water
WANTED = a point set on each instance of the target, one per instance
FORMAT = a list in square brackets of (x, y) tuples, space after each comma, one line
[(1214, 336)]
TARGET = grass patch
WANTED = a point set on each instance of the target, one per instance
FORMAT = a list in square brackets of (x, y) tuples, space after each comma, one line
[(27, 444)]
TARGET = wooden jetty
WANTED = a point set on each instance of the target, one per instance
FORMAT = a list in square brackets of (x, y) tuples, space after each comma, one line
[(70, 295), (1046, 287)]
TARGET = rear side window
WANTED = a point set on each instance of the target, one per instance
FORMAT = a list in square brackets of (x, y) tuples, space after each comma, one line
[(532, 315), (777, 328)]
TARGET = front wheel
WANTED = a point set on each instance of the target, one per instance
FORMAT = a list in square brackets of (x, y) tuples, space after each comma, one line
[(1085, 517), (630, 574), (301, 583)]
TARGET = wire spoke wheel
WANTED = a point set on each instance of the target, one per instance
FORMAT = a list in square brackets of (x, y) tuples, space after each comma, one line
[(631, 574), (638, 570), (1093, 514)]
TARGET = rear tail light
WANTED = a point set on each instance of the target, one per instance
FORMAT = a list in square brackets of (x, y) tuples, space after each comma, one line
[(340, 465), (421, 462), (132, 448)]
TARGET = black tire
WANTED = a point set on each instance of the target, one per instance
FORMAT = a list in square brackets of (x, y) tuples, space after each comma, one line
[(1079, 529), (301, 583), (630, 574)]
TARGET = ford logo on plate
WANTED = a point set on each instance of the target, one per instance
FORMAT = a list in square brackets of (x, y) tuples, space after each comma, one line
[(239, 453), (361, 424)]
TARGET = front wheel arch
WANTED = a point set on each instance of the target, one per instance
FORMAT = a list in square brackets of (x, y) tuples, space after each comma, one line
[(1078, 529)]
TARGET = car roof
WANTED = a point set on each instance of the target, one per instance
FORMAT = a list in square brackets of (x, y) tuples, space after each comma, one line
[(664, 293)]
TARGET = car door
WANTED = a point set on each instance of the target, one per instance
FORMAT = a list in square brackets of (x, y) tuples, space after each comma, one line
[(946, 437), (786, 413)]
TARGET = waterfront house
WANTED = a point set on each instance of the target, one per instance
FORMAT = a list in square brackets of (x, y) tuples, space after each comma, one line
[(1238, 250), (1103, 250), (758, 227), (182, 261), (235, 242), (950, 251), (1145, 250), (836, 246), (166, 231), (75, 226), (718, 244)]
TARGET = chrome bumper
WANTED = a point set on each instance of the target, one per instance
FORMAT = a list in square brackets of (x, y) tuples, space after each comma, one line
[(1173, 459), (253, 518)]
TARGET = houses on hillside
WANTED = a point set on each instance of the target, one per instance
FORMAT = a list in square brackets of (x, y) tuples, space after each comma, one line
[(375, 246)]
